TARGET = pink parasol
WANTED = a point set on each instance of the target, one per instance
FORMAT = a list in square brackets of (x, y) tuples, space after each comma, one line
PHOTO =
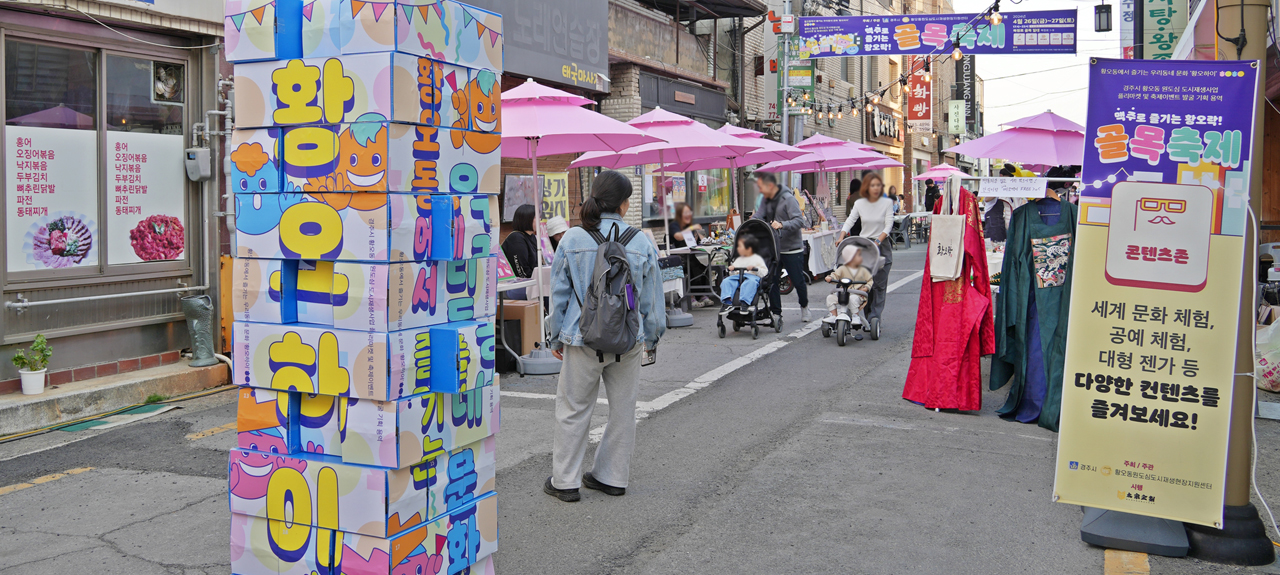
[(826, 153), (940, 172), (770, 151), (686, 140), (553, 122), (1046, 121), (1029, 145)]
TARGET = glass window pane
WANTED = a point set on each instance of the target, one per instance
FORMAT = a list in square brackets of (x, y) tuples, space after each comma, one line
[(711, 193), (146, 184), (50, 87), (145, 95)]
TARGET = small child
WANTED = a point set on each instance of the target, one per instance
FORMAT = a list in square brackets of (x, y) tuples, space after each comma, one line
[(747, 283), (851, 269)]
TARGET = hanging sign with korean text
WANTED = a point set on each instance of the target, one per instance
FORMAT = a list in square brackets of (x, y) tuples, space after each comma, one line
[(919, 95), (1146, 407), (1043, 32), (555, 195), (1163, 22)]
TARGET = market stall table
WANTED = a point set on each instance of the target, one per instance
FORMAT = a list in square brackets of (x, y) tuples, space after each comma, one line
[(822, 250)]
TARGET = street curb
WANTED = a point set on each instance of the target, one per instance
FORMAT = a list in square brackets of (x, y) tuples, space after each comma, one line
[(80, 399)]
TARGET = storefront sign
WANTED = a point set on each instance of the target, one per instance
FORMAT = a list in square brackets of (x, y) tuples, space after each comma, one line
[(555, 195), (919, 95), (146, 193), (1045, 32), (966, 90), (1012, 187), (884, 126), (561, 41), (1151, 340), (51, 198), (955, 117), (1126, 28), (1162, 26)]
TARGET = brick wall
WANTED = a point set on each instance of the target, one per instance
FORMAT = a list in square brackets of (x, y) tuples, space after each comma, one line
[(623, 104)]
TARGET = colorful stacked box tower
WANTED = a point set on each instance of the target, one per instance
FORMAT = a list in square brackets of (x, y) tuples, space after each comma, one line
[(365, 164)]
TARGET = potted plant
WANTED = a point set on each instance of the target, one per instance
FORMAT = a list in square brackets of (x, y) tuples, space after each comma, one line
[(33, 365)]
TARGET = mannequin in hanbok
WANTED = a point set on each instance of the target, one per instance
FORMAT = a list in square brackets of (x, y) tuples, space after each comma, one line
[(1031, 310), (953, 325)]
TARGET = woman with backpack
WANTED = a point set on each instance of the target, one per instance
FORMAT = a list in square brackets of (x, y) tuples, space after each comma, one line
[(606, 312)]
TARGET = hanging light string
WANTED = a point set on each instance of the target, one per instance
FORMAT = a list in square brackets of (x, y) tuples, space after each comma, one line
[(923, 62)]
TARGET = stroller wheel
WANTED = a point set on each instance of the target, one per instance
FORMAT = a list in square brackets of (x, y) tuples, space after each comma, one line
[(784, 286), (737, 326), (755, 332), (777, 325), (875, 328), (842, 331), (721, 331), (826, 330)]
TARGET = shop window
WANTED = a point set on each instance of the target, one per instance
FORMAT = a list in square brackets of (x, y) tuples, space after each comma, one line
[(50, 87), (144, 96), (711, 194)]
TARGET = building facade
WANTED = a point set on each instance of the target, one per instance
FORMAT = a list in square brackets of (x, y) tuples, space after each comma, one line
[(103, 229)]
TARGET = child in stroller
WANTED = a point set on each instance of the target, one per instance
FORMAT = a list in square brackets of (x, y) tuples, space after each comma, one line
[(859, 260), (744, 284)]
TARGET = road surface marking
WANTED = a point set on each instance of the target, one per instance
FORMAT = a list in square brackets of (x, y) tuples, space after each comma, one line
[(211, 431), (1116, 562), (39, 480), (904, 281), (527, 395)]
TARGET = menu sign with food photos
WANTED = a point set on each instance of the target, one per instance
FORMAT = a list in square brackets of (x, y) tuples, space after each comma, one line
[(146, 198), (51, 198)]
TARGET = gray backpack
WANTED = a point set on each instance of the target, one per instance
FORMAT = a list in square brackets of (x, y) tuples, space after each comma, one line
[(610, 319)]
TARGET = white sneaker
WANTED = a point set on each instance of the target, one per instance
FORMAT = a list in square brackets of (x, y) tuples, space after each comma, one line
[(804, 314)]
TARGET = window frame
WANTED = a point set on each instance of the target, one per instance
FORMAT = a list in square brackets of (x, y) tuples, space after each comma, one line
[(105, 272)]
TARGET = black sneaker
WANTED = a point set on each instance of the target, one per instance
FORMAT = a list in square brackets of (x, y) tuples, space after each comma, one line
[(566, 495), (590, 482)]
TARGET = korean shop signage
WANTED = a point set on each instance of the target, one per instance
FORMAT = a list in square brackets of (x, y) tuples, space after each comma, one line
[(919, 95), (966, 89), (884, 126), (1162, 26), (1045, 32), (1151, 339)]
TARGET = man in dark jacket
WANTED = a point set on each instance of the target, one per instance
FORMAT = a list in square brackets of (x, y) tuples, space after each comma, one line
[(781, 211), (931, 193)]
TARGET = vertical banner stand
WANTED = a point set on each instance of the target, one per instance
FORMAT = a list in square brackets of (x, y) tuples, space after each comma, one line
[(1130, 532)]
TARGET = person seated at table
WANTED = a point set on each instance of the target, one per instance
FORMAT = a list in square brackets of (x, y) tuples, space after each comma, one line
[(556, 227), (897, 201), (745, 284), (697, 272), (521, 245)]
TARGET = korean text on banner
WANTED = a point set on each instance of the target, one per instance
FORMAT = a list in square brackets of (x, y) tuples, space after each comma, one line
[(1045, 32), (555, 195), (1146, 409), (919, 95)]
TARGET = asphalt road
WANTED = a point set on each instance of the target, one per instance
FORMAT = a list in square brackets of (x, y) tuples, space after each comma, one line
[(804, 459)]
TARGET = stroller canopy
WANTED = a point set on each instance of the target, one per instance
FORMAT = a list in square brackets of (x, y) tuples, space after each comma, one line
[(870, 252)]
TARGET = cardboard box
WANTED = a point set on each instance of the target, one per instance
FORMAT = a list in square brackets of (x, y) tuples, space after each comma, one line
[(444, 30), (406, 431), (257, 30), (321, 33), (362, 296), (450, 544), (446, 159), (263, 420), (334, 90), (269, 547), (526, 313), (255, 163), (461, 356), (326, 493), (319, 423)]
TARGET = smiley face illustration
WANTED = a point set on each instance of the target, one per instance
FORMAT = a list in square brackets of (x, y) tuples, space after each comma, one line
[(362, 153)]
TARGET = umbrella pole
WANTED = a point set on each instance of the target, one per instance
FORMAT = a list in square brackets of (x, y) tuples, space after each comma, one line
[(733, 182), (666, 223), (540, 361), (675, 317)]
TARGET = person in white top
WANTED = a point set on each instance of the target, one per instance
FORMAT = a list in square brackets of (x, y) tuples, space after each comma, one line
[(876, 213), (745, 284)]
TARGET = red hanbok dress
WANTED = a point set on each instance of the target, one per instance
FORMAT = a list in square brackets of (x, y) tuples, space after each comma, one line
[(954, 327)]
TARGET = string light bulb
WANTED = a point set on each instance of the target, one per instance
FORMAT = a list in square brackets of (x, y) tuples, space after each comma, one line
[(996, 18), (806, 95), (875, 98), (869, 107), (840, 114), (957, 54)]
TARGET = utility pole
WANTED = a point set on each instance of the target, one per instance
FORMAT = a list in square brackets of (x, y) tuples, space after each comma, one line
[(1243, 538)]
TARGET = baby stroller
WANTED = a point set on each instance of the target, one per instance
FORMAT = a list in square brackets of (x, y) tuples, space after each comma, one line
[(755, 313), (848, 318)]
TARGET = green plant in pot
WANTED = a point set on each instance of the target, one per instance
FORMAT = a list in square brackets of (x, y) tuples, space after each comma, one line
[(32, 365)]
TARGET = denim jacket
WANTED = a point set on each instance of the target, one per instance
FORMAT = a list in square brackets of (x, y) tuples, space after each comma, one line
[(576, 256)]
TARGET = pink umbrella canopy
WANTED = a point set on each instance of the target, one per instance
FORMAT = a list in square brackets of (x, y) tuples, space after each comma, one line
[(553, 122), (770, 151), (684, 140), (940, 172), (1046, 121), (826, 153), (1029, 145)]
